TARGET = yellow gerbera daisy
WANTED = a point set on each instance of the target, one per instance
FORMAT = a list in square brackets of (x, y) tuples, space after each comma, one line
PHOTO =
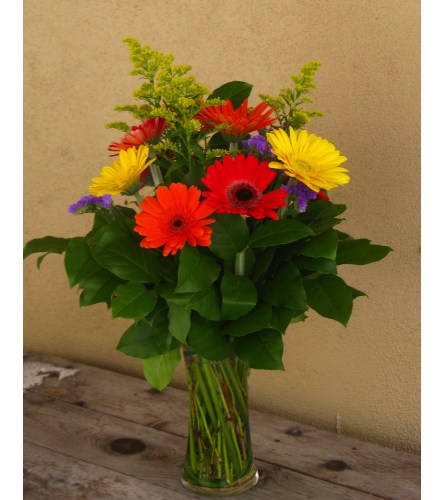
[(123, 175), (309, 158)]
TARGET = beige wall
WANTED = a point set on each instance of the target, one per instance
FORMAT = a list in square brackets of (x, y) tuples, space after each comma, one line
[(76, 71)]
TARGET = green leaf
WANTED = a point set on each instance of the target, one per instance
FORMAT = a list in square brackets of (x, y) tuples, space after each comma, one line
[(230, 235), (197, 271), (285, 288), (206, 338), (357, 293), (282, 317), (159, 370), (360, 252), (262, 350), (262, 263), (321, 215), (217, 141), (146, 339), (323, 245), (239, 296), (47, 245), (178, 321), (278, 232), (330, 297), (132, 300), (79, 263), (236, 91), (207, 303), (320, 265), (116, 251), (258, 319), (98, 287)]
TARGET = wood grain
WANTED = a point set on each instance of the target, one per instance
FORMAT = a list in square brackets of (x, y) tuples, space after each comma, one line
[(293, 448), (87, 436)]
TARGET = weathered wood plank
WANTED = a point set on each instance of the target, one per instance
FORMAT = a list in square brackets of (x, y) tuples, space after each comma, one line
[(49, 474), (149, 454), (342, 460)]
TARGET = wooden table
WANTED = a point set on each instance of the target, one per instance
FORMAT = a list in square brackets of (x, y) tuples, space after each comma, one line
[(95, 434)]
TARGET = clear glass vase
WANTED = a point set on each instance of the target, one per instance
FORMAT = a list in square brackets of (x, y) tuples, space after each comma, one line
[(219, 459)]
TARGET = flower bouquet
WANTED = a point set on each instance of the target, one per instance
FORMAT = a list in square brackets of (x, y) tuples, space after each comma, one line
[(220, 235)]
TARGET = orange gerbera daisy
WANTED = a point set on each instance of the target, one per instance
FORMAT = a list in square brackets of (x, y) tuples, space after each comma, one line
[(147, 131), (240, 121), (175, 217), (237, 186)]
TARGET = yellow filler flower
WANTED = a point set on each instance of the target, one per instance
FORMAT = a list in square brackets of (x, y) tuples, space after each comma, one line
[(123, 175), (309, 158)]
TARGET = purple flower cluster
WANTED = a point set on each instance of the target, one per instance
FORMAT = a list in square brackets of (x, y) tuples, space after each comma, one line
[(259, 143), (89, 203), (303, 194)]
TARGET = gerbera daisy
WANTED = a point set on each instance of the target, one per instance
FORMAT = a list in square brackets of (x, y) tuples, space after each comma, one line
[(147, 131), (122, 177), (237, 186), (240, 121), (174, 217), (309, 158)]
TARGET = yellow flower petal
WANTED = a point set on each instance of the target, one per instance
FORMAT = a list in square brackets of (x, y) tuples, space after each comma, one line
[(123, 173), (309, 158)]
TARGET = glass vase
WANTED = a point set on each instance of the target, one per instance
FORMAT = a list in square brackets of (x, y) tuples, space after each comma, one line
[(219, 459)]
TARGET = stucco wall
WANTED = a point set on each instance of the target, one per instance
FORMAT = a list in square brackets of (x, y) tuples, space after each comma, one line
[(76, 70)]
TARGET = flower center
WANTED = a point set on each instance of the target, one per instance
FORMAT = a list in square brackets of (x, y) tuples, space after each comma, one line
[(303, 166), (177, 224), (243, 194)]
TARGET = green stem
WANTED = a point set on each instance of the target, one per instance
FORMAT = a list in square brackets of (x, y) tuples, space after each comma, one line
[(240, 263), (233, 447), (156, 174), (233, 382), (139, 197), (233, 146)]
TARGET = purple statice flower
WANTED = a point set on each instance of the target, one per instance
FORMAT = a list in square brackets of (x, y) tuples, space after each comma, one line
[(259, 143), (303, 194), (90, 203)]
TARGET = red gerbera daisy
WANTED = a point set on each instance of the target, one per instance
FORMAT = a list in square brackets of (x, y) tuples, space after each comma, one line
[(237, 186), (240, 121), (174, 217), (148, 130)]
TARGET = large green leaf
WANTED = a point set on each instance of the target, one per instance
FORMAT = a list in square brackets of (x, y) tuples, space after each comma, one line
[(360, 252), (321, 215), (159, 370), (206, 338), (197, 271), (258, 319), (262, 263), (46, 245), (322, 245), (262, 350), (207, 303), (178, 321), (330, 297), (235, 91), (230, 235), (79, 263), (282, 317), (274, 233), (239, 296), (285, 288), (320, 265), (116, 251), (98, 287), (146, 339), (132, 300)]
